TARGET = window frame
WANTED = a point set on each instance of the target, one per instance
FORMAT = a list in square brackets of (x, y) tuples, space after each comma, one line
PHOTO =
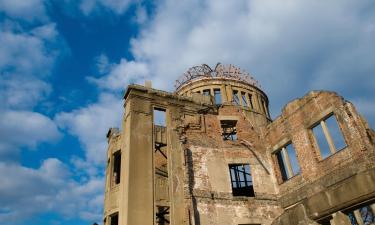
[(231, 126), (235, 97), (281, 155), (264, 107), (244, 99), (206, 92), (116, 175), (159, 116), (218, 90), (250, 97), (244, 188), (327, 135)]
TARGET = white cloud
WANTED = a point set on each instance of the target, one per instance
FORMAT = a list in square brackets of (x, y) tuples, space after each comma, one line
[(22, 92), (27, 191), (90, 125), (284, 44), (29, 46), (84, 200), (29, 10), (46, 32), (24, 129), (120, 75), (25, 64), (26, 53)]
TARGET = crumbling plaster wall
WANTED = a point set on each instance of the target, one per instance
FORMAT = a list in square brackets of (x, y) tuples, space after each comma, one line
[(212, 188), (211, 157), (200, 158), (295, 123), (324, 186)]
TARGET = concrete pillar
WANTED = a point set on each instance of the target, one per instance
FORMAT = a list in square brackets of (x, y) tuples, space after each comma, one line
[(340, 218), (288, 166), (229, 93), (175, 169), (358, 217), (224, 95), (138, 204), (373, 208), (257, 104), (331, 144)]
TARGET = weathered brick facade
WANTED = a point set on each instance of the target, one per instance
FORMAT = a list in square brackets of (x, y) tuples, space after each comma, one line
[(219, 159)]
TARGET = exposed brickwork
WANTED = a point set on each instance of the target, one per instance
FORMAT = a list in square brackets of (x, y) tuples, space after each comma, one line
[(196, 182)]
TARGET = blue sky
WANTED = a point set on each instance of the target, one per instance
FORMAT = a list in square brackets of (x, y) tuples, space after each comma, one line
[(65, 64)]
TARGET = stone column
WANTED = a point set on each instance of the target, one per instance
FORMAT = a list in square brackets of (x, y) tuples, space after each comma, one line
[(340, 218), (138, 192), (175, 168), (358, 217)]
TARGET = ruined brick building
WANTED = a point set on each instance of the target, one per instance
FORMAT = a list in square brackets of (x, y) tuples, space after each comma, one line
[(209, 154)]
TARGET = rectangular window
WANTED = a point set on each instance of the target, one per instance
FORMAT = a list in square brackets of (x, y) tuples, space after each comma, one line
[(229, 131), (328, 137), (244, 101), (251, 101), (288, 163), (207, 92), (117, 167), (242, 184), (217, 95), (114, 219), (236, 98), (159, 117)]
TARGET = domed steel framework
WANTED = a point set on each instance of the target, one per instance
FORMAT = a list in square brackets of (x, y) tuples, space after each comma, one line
[(228, 72)]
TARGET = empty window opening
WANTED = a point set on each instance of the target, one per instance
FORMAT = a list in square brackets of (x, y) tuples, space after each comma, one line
[(117, 167), (159, 117), (362, 216), (236, 98), (251, 101), (207, 92), (288, 163), (328, 137), (242, 184), (244, 101), (217, 95), (114, 219), (162, 215), (229, 130)]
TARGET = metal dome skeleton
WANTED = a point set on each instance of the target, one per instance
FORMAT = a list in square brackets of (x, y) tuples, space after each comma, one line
[(221, 71)]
